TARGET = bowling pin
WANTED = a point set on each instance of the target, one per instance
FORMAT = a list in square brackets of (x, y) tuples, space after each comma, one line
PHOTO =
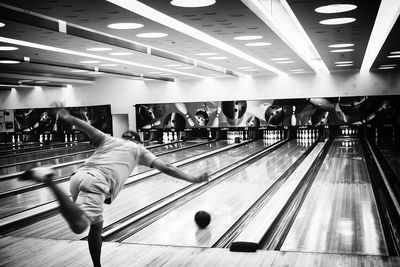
[(215, 122), (13, 139), (293, 117), (151, 125), (182, 108)]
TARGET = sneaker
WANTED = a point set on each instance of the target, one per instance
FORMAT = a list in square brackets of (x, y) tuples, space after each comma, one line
[(39, 174)]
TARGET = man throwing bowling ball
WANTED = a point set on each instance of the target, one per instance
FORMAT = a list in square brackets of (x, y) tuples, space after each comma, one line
[(101, 178)]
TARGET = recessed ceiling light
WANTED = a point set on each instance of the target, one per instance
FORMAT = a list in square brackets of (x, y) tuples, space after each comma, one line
[(343, 62), (109, 65), (335, 8), (125, 26), (96, 72), (248, 37), (9, 62), (258, 44), (8, 48), (342, 50), (121, 54), (285, 62), (98, 49), (389, 65), (217, 57), (385, 68), (280, 58), (337, 21), (393, 56), (395, 52), (41, 82), (78, 71), (90, 61), (151, 35), (192, 3), (340, 45), (344, 65), (206, 54), (2, 24), (296, 70)]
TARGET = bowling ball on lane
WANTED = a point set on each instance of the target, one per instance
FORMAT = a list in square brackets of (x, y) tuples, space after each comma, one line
[(234, 111), (175, 121), (202, 219), (274, 115)]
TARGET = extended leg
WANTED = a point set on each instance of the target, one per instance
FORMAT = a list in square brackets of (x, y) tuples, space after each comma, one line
[(75, 217)]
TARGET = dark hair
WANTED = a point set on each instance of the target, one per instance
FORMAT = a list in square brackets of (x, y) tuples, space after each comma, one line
[(132, 136)]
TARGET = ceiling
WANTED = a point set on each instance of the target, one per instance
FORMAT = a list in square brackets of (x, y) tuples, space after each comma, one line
[(54, 53)]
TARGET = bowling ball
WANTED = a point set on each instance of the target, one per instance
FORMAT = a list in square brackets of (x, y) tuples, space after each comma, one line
[(202, 219), (45, 118), (158, 110), (201, 117), (355, 108), (253, 121), (320, 117), (274, 115), (234, 111), (175, 121), (146, 114)]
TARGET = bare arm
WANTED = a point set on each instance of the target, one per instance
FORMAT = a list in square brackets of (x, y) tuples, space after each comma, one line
[(92, 132), (177, 173)]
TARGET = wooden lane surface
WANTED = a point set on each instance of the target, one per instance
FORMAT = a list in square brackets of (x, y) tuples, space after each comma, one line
[(256, 228), (17, 203), (225, 202), (40, 154), (17, 251), (339, 214), (77, 160), (136, 197), (32, 149)]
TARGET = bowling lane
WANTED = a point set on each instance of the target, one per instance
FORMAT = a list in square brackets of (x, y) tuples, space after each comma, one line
[(339, 215), (47, 158), (391, 152), (43, 154), (65, 166), (226, 202), (137, 197), (19, 149), (23, 201)]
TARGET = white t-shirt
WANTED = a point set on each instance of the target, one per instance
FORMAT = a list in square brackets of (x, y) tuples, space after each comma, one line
[(115, 159)]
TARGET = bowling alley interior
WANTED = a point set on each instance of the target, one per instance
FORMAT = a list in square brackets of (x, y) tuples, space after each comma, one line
[(291, 106)]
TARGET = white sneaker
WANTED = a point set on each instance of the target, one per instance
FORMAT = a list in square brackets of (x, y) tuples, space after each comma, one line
[(39, 174)]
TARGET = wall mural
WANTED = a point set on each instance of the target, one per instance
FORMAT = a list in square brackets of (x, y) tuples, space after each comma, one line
[(263, 113), (42, 124)]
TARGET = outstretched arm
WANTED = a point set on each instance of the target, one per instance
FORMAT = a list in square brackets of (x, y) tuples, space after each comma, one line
[(177, 173), (92, 132)]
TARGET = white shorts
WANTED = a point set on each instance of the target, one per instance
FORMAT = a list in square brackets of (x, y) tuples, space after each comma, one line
[(89, 189)]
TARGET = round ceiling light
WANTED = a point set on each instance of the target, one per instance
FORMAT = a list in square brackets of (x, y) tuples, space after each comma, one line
[(258, 44), (340, 45), (8, 48), (9, 62), (337, 21), (98, 49), (151, 35), (125, 26), (342, 50), (247, 37), (335, 8), (192, 3)]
